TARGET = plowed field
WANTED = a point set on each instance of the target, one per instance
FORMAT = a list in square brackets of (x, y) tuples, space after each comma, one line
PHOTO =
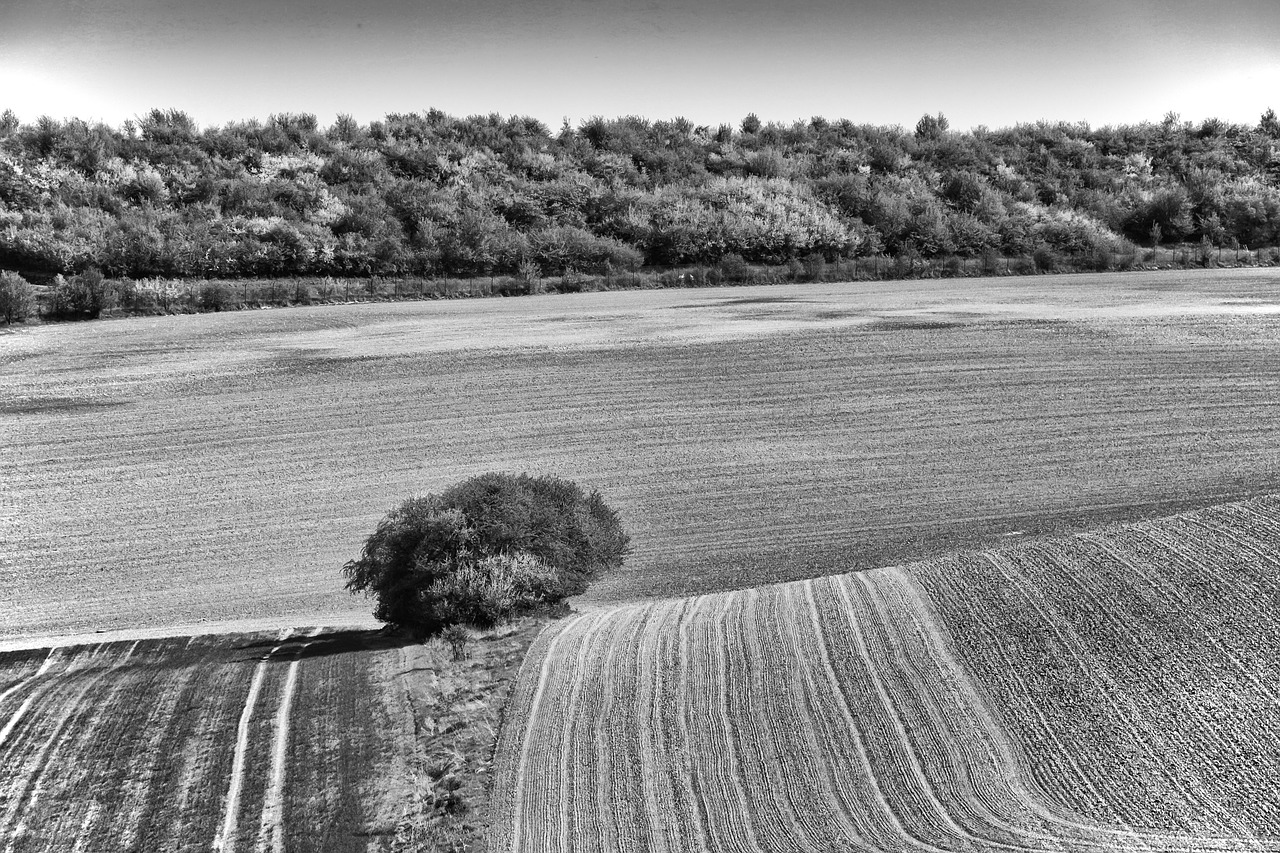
[(220, 467), (1115, 691), (237, 743)]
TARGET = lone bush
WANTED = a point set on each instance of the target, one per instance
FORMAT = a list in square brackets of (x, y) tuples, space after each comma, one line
[(458, 637), (484, 550)]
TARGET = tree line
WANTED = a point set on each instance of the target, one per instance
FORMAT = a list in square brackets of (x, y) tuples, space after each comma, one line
[(431, 195)]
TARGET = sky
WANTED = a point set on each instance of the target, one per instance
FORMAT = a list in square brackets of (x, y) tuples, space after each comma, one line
[(979, 62)]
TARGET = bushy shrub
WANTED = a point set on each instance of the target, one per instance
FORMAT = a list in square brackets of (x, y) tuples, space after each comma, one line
[(81, 297), (573, 531), (17, 298), (488, 590), (560, 248), (990, 262), (1094, 258), (458, 637), (1045, 259), (218, 296), (485, 549), (815, 266), (733, 268), (626, 281)]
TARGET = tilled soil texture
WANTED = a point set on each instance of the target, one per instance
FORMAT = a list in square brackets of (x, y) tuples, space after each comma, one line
[(223, 467), (1109, 692), (309, 739)]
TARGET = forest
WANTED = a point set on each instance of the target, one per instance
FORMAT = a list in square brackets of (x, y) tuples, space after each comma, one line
[(430, 195)]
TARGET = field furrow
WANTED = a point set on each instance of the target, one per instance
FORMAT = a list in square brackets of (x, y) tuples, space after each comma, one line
[(851, 794), (185, 744), (21, 668), (271, 829), (763, 742), (57, 715), (783, 754), (686, 829), (186, 810), (1043, 698), (228, 833), (722, 794), (1139, 656), (344, 744), (62, 805), (655, 760), (954, 750), (889, 748), (616, 741)]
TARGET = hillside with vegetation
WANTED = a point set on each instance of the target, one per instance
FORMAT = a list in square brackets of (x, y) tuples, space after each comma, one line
[(430, 195)]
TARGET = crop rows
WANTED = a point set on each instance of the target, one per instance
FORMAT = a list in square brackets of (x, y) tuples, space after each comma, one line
[(223, 744), (1106, 692)]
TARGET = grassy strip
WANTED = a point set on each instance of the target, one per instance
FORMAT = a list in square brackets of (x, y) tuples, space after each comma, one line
[(457, 710)]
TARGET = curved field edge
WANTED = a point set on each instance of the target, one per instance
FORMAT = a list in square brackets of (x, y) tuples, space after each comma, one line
[(1111, 691)]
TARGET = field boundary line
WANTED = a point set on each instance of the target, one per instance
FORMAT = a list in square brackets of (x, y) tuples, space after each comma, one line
[(915, 599), (511, 735), (517, 810), (225, 838), (949, 741), (569, 805)]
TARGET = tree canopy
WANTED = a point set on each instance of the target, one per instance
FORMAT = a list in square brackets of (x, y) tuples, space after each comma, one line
[(428, 194), (484, 550)]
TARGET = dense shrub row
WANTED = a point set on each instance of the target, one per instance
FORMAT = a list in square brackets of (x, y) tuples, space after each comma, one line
[(88, 295), (430, 195)]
